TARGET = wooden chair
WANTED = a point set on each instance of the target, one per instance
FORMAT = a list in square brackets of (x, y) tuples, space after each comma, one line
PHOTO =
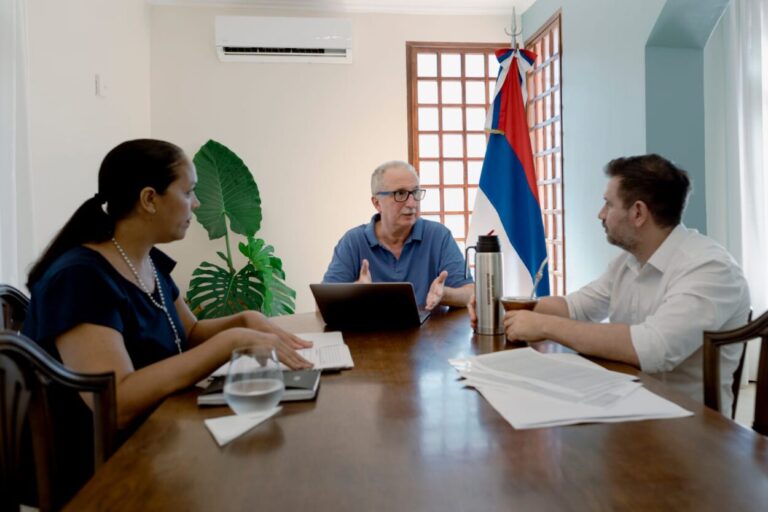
[(27, 376), (713, 340), (14, 306)]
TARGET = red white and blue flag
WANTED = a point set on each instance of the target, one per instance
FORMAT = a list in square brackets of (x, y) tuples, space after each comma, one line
[(508, 201)]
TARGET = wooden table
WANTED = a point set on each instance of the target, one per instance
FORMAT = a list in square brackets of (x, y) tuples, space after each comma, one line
[(399, 432)]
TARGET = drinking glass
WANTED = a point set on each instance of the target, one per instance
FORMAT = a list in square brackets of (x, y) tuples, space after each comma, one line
[(254, 380)]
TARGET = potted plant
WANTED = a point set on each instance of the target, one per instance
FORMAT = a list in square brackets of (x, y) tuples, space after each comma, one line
[(228, 195)]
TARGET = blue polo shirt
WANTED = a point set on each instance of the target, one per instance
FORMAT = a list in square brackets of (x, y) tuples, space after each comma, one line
[(428, 250)]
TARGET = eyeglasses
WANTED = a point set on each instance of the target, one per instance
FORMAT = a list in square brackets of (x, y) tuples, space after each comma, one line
[(401, 196)]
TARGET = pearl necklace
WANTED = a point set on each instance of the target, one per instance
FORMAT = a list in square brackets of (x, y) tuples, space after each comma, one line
[(161, 305)]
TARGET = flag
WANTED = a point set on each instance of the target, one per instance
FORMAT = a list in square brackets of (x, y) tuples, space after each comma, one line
[(507, 200)]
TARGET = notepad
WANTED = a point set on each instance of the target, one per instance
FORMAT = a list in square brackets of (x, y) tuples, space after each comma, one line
[(299, 385)]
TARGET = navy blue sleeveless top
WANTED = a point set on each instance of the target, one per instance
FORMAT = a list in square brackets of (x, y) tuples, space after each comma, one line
[(81, 286)]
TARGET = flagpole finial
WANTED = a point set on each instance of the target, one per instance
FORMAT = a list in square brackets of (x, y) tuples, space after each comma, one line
[(514, 32)]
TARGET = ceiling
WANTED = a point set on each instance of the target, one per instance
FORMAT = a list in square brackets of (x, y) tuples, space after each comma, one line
[(469, 7)]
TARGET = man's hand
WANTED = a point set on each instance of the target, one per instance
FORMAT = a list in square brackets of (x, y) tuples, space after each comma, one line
[(365, 274), (436, 291), (524, 325), (471, 309)]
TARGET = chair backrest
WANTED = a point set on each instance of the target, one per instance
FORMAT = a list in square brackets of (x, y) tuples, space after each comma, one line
[(14, 305), (27, 374), (713, 340)]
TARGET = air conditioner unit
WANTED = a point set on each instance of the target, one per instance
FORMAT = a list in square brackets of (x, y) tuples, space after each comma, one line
[(273, 39)]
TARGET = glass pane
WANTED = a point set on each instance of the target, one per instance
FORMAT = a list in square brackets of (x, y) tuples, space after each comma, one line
[(428, 146), (456, 224), (476, 145), (493, 66), (451, 92), (471, 195), (426, 64), (476, 92), (429, 173), (427, 119), (557, 133), (453, 146), (452, 119), (474, 65), (475, 119), (453, 172), (427, 92), (462, 246), (450, 64), (454, 199), (431, 201), (435, 218), (473, 171)]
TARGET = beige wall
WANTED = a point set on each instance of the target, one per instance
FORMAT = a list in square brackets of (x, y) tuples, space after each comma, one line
[(310, 133), (71, 128)]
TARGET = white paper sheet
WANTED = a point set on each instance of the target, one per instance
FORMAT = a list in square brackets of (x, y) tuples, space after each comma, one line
[(524, 405), (557, 377)]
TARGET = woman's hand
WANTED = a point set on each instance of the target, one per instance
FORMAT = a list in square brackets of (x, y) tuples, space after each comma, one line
[(285, 352), (258, 321)]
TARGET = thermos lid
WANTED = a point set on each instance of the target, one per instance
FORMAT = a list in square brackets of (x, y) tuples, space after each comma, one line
[(488, 243)]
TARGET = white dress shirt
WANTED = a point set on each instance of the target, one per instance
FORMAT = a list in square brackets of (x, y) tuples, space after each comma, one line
[(690, 285)]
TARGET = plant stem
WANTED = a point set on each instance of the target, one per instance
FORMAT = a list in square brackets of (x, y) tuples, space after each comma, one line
[(229, 252)]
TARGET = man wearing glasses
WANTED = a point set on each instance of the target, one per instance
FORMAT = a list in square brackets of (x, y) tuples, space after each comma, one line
[(398, 246)]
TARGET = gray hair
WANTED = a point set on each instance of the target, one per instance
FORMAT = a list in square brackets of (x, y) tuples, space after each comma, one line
[(378, 175)]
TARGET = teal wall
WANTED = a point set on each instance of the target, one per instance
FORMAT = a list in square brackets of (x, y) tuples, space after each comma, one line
[(675, 118), (604, 111), (635, 74)]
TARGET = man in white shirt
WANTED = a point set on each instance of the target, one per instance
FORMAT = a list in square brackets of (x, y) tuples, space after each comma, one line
[(658, 296)]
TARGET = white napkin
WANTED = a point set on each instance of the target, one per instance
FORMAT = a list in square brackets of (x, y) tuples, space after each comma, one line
[(227, 428)]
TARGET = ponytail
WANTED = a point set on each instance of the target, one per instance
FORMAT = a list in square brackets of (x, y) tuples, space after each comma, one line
[(89, 223), (125, 171)]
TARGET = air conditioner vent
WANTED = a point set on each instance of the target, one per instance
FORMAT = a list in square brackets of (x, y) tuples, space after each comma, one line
[(237, 50)]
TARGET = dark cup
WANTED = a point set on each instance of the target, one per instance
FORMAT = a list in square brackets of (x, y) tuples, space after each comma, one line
[(518, 303)]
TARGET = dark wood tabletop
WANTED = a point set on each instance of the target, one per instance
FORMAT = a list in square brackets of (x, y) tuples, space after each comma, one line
[(399, 432)]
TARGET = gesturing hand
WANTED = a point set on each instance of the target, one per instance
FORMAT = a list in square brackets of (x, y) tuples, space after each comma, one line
[(436, 291), (365, 274)]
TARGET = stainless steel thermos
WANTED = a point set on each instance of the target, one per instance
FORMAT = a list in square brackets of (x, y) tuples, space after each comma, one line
[(489, 283)]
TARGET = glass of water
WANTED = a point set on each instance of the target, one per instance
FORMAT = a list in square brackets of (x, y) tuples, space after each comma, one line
[(254, 380)]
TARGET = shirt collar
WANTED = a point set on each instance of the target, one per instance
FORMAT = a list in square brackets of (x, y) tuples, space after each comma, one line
[(417, 232), (662, 258)]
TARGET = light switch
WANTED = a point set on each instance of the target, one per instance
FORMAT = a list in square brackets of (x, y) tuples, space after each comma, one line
[(100, 86)]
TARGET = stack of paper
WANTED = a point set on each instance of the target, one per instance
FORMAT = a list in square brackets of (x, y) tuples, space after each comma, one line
[(532, 390)]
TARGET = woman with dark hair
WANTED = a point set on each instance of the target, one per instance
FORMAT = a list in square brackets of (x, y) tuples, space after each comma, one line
[(103, 298)]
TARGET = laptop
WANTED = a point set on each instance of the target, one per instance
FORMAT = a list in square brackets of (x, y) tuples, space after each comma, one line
[(365, 307)]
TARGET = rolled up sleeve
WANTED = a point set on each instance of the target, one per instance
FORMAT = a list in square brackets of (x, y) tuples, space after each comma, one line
[(704, 298)]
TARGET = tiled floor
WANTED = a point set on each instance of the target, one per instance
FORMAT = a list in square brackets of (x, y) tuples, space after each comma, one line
[(745, 408)]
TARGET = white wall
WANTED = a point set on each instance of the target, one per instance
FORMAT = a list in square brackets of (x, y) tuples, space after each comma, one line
[(310, 133), (603, 73), (70, 128)]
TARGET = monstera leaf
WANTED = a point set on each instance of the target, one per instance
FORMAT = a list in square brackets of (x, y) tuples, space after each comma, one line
[(226, 190)]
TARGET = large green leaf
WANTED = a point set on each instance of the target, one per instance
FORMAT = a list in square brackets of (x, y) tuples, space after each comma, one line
[(216, 291), (225, 188)]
